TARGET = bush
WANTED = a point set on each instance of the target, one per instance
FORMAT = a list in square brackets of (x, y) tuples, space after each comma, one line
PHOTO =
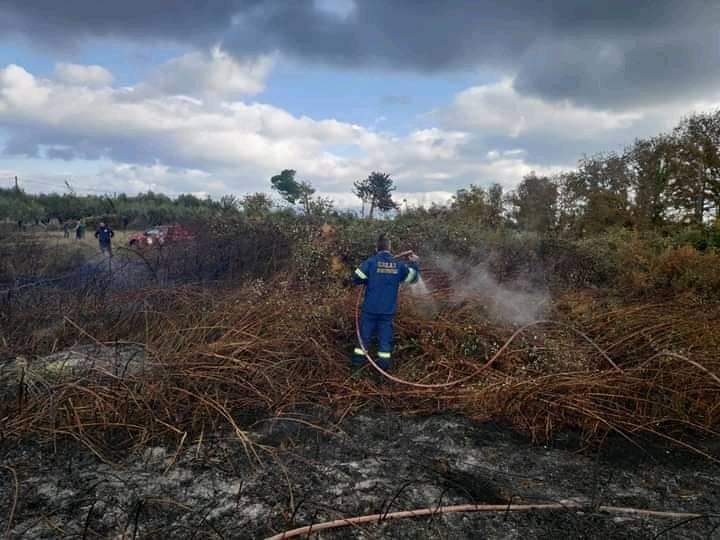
[(686, 270)]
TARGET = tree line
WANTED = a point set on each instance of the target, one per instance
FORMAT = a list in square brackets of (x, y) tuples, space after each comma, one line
[(672, 178), (669, 179), (144, 208)]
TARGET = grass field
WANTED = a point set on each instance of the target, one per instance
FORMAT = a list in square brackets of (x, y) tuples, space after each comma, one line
[(40, 253)]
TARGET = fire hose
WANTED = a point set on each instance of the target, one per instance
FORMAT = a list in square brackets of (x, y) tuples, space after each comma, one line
[(482, 368), (484, 508)]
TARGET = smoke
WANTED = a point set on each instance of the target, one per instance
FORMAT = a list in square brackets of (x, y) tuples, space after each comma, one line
[(424, 301), (516, 302)]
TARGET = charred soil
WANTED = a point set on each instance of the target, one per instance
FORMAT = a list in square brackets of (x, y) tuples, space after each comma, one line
[(374, 462)]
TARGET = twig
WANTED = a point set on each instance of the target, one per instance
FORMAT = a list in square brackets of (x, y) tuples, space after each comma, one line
[(16, 495), (87, 520)]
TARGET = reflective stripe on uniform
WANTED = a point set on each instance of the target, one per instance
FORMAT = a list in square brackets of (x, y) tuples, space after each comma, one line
[(411, 275), (384, 355), (360, 273), (359, 351)]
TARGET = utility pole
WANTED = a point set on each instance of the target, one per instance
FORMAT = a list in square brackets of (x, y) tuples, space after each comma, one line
[(17, 187)]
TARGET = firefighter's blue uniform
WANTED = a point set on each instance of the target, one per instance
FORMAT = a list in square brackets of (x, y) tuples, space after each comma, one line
[(382, 275)]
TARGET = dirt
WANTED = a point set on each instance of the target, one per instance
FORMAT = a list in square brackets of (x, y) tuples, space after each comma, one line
[(371, 463)]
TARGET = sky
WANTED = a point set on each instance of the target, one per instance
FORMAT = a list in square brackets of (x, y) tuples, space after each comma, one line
[(216, 97)]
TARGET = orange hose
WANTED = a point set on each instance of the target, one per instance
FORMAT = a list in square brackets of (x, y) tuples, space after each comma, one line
[(379, 518)]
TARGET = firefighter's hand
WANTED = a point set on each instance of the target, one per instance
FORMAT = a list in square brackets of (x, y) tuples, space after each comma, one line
[(413, 257)]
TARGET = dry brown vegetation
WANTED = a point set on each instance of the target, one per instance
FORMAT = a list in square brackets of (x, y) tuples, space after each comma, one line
[(220, 359)]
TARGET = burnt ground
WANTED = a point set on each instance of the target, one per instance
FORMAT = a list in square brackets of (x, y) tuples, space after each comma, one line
[(374, 462)]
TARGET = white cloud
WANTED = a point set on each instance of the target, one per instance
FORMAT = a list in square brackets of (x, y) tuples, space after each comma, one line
[(422, 198), (133, 178), (502, 124), (213, 74), (176, 143), (20, 90), (497, 109), (83, 75), (180, 132)]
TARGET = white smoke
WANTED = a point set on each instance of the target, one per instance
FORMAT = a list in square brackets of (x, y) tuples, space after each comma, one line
[(516, 302)]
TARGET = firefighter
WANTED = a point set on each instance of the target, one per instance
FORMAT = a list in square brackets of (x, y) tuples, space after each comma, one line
[(104, 235), (382, 275)]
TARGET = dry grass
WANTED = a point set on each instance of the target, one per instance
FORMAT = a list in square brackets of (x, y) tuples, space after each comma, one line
[(218, 359), (48, 254)]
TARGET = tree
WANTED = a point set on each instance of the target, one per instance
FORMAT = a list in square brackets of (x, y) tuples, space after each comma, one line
[(496, 204), (605, 172), (361, 189), (478, 205), (605, 209), (471, 200), (321, 206), (286, 185), (376, 191), (596, 195), (306, 193), (256, 205), (649, 161), (695, 168), (535, 203), (229, 203), (293, 191), (187, 200)]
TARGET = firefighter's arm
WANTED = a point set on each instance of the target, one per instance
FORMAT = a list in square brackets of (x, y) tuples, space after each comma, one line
[(360, 275)]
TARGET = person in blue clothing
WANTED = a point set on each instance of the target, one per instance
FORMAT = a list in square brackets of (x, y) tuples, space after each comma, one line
[(382, 274), (104, 235)]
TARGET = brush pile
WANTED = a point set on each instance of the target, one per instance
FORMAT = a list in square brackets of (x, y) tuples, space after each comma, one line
[(219, 360)]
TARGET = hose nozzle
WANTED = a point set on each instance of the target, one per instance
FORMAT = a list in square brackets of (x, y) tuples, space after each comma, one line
[(404, 254)]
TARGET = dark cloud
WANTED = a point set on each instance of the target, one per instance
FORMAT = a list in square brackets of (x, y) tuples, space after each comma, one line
[(21, 144), (65, 154), (56, 143), (611, 53), (72, 20)]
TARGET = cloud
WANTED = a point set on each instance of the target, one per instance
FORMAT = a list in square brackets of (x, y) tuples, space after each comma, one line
[(125, 178), (180, 143), (77, 74), (132, 178), (242, 143), (18, 88), (487, 133), (507, 123), (498, 109), (339, 8), (396, 100), (423, 198), (612, 54), (213, 74), (626, 70), (64, 24)]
